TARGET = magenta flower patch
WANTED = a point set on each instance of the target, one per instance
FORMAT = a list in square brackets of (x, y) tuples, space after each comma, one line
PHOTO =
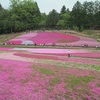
[(14, 41), (20, 39), (57, 57), (20, 80), (84, 41), (53, 37), (3, 48)]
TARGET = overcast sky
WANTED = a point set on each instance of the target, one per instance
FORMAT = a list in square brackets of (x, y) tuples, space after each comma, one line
[(47, 5)]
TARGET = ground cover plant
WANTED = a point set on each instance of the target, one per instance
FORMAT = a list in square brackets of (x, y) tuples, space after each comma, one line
[(49, 38), (38, 81), (92, 33), (7, 37), (48, 73), (62, 54), (44, 37)]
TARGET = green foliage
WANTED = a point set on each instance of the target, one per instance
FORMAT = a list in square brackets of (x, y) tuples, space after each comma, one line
[(75, 28), (61, 23), (52, 19), (45, 71), (25, 15), (22, 15), (73, 80), (96, 67), (55, 80), (92, 33), (63, 10), (42, 22)]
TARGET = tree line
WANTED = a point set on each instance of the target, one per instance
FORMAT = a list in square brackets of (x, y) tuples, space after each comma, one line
[(25, 15)]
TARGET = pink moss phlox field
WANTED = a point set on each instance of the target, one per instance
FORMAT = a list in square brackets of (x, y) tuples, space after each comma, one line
[(14, 41), (83, 41), (82, 60), (53, 57), (3, 48), (11, 72), (36, 56), (19, 39), (20, 80), (53, 37), (85, 55), (90, 55), (27, 36), (78, 72), (45, 37), (56, 51)]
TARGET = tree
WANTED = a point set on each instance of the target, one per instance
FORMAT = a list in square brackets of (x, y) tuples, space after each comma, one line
[(52, 19), (24, 13), (42, 23), (78, 16), (91, 9), (64, 17), (63, 9), (3, 19)]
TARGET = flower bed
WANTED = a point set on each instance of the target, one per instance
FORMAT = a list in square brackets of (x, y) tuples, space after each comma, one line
[(20, 39), (26, 81), (84, 41), (36, 56), (45, 37), (56, 51), (14, 41), (3, 48), (90, 55), (53, 57), (53, 37)]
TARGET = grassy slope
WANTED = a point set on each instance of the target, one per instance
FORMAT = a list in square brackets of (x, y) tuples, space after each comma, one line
[(95, 34), (6, 37)]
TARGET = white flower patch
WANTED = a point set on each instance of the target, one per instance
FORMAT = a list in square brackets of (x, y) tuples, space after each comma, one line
[(26, 42)]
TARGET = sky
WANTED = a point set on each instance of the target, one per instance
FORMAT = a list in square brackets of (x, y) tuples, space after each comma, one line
[(47, 5)]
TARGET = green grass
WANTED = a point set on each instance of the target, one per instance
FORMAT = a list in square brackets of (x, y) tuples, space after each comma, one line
[(6, 37), (43, 70), (65, 64), (92, 33), (54, 81), (96, 67), (83, 66), (73, 80), (49, 89), (46, 71)]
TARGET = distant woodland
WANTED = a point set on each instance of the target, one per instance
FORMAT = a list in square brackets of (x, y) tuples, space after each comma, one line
[(25, 15)]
